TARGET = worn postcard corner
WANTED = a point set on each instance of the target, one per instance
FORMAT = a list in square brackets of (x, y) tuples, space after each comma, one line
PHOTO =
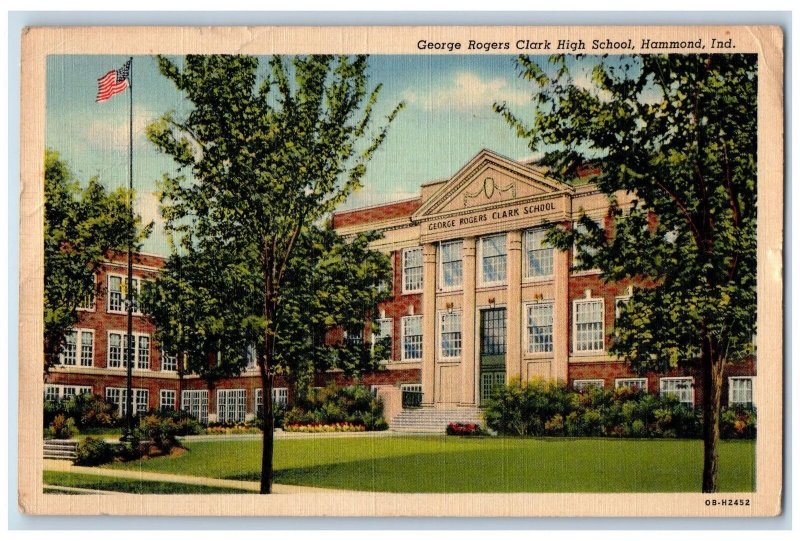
[(402, 271)]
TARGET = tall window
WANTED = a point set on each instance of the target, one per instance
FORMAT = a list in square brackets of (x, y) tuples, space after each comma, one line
[(588, 325), (411, 331), (680, 388), (118, 396), (412, 270), (117, 294), (231, 405), (166, 400), (740, 390), (539, 256), (118, 353), (195, 403), (450, 334), (493, 259), (451, 264), (78, 345), (540, 327)]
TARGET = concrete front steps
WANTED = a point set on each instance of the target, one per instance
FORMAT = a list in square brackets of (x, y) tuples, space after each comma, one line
[(433, 420), (60, 449)]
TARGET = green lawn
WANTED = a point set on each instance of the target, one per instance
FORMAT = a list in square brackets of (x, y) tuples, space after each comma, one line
[(452, 464), (101, 482)]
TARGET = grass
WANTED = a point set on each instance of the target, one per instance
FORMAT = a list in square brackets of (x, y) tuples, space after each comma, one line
[(452, 464), (66, 480)]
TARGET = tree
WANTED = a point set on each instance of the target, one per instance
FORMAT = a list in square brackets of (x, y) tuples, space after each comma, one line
[(81, 226), (265, 160), (678, 132), (203, 302)]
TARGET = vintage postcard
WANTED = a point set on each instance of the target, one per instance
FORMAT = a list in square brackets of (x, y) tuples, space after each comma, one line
[(402, 271)]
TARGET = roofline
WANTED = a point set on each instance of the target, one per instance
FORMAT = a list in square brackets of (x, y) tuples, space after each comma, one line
[(377, 205)]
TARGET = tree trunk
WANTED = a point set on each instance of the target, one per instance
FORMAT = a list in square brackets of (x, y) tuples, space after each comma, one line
[(712, 397), (268, 427)]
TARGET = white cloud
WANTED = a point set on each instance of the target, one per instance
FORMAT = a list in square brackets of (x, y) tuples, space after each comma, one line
[(468, 92), (112, 132)]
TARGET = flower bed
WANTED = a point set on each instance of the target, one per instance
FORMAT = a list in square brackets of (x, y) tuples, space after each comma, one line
[(247, 427), (464, 429), (320, 427)]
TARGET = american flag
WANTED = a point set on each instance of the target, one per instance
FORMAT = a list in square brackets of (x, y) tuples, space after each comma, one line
[(113, 82)]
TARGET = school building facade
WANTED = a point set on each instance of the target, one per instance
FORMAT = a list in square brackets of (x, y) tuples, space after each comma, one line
[(478, 298)]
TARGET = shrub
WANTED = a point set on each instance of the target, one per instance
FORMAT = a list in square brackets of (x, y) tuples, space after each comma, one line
[(93, 452), (738, 422), (332, 405), (91, 411), (62, 428), (162, 431), (186, 425), (539, 408), (321, 427)]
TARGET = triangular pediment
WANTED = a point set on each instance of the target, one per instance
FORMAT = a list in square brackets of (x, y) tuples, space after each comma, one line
[(486, 180)]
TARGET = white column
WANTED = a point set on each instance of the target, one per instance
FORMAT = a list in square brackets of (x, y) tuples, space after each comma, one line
[(468, 357), (428, 324), (514, 307)]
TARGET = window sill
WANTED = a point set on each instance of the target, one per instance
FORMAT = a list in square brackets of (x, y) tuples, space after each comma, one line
[(413, 292), (538, 280)]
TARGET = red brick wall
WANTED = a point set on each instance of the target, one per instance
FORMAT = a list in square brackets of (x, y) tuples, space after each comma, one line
[(376, 213)]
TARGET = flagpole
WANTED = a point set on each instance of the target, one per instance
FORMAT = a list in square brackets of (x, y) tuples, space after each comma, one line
[(128, 436)]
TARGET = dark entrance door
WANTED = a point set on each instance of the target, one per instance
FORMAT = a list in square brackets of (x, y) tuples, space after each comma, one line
[(492, 350)]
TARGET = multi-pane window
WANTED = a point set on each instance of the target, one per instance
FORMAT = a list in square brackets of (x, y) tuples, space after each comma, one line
[(489, 382), (583, 385), (169, 361), (680, 388), (493, 259), (167, 399), (412, 270), (540, 327), (118, 353), (740, 390), (588, 325), (118, 395), (195, 403), (78, 345), (354, 337), (539, 256), (638, 384), (61, 392), (117, 293), (411, 331), (143, 353), (451, 264), (280, 397), (231, 405), (450, 335)]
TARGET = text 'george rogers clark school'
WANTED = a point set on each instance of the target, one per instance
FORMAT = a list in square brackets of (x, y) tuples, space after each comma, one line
[(478, 299)]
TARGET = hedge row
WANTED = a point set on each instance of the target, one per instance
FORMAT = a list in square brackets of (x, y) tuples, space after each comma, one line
[(540, 408)]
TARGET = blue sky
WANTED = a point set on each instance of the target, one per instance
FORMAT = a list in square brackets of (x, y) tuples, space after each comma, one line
[(448, 118)]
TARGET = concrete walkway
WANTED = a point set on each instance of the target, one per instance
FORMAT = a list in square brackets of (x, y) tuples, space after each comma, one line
[(253, 486)]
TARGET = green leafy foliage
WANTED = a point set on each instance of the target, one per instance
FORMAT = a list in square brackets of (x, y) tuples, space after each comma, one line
[(542, 408), (62, 428), (352, 404), (94, 452), (679, 133), (261, 160), (82, 224), (86, 410)]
